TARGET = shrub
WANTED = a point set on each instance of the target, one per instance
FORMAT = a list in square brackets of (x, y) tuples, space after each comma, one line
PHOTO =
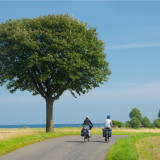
[(117, 123), (159, 114), (135, 123), (157, 123), (127, 124), (146, 122), (135, 113)]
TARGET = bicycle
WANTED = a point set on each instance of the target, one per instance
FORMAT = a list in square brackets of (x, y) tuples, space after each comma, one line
[(85, 133)]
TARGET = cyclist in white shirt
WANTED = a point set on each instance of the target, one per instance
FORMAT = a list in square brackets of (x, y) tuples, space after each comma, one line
[(108, 122)]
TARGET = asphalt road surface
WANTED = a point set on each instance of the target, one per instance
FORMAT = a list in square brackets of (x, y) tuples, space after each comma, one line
[(64, 148)]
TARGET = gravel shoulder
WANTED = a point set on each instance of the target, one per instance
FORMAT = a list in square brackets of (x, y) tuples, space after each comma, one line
[(65, 148)]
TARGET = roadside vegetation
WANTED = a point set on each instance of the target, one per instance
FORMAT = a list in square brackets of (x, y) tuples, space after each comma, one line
[(144, 140), (125, 148)]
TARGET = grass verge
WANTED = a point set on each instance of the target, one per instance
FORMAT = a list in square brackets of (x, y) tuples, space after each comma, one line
[(125, 148), (148, 148)]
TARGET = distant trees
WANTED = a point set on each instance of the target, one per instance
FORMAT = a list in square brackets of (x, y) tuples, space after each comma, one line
[(157, 121), (134, 123), (117, 123), (138, 121), (127, 124), (136, 118), (135, 113), (146, 122), (159, 114)]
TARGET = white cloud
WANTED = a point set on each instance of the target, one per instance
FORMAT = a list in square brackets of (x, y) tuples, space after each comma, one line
[(114, 99), (127, 91), (134, 45), (115, 91)]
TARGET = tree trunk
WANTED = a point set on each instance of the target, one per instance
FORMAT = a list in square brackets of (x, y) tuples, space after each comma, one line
[(49, 115)]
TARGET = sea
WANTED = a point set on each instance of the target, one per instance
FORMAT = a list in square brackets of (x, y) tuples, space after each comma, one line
[(96, 125)]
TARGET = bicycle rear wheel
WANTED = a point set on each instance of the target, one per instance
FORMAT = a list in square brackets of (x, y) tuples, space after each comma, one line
[(107, 136)]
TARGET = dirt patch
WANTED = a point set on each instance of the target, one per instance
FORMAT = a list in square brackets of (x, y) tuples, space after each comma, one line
[(149, 130), (4, 135), (149, 148)]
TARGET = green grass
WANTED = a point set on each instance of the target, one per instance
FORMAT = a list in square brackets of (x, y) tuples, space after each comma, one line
[(125, 148)]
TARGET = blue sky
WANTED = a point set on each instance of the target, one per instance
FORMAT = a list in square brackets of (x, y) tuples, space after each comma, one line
[(131, 31)]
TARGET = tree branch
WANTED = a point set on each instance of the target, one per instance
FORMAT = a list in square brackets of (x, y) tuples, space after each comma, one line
[(58, 94), (39, 89)]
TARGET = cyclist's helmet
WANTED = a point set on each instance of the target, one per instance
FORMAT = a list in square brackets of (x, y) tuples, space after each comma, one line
[(108, 116), (87, 117)]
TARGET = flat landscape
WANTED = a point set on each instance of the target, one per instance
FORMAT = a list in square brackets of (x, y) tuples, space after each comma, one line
[(22, 140)]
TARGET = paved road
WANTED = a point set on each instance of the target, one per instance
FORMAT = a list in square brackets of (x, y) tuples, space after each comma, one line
[(64, 148)]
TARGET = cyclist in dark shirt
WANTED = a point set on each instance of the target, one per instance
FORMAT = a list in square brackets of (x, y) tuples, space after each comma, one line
[(87, 122)]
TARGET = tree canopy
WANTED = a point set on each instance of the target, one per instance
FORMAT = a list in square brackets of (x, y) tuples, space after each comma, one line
[(146, 122), (134, 123), (50, 54), (135, 113), (157, 123), (117, 123), (159, 114), (54, 51)]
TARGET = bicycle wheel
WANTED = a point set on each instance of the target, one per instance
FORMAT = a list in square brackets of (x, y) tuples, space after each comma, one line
[(107, 136)]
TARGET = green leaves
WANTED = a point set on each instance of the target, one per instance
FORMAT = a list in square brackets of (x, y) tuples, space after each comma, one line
[(135, 113), (50, 54), (135, 123), (159, 114), (146, 122)]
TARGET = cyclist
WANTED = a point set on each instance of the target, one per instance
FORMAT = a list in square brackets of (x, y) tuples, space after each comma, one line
[(88, 123), (108, 123)]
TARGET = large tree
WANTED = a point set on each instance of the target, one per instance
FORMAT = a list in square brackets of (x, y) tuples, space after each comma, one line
[(51, 54)]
